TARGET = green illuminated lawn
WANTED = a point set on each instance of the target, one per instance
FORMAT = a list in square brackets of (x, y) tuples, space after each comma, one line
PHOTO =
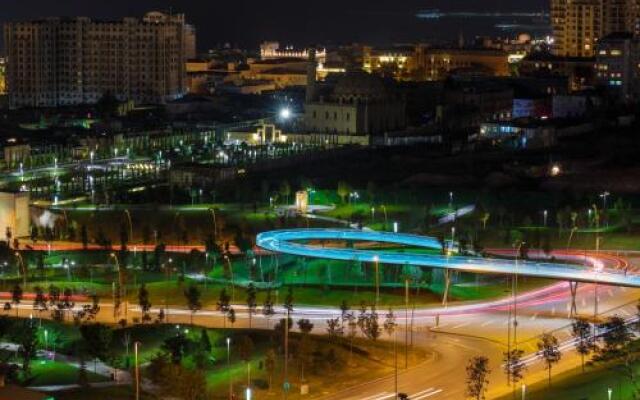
[(55, 373)]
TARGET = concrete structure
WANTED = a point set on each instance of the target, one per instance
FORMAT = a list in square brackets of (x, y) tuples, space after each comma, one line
[(579, 24), (570, 106), (302, 201), (521, 133), (299, 242), (272, 50), (470, 101), (268, 133), (579, 71), (617, 66), (190, 42), (68, 61), (438, 64), (14, 214)]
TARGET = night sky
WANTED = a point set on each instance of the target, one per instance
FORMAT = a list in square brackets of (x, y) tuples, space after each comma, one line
[(302, 22)]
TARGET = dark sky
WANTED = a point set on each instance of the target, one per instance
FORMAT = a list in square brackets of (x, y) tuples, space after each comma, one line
[(248, 22)]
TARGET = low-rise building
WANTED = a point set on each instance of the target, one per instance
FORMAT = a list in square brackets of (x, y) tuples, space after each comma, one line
[(617, 68)]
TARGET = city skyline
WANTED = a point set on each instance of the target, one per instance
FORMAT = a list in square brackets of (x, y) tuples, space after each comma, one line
[(290, 22)]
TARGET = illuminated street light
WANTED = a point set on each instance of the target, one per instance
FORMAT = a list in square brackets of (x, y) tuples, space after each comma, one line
[(285, 114), (376, 260), (229, 367), (545, 213), (609, 393), (137, 369)]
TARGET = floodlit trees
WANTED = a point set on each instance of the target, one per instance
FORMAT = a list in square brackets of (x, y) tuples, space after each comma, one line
[(549, 350), (477, 377), (192, 294), (584, 342), (144, 303), (251, 302)]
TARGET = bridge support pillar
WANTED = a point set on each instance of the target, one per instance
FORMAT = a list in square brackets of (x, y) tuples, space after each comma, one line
[(573, 286), (447, 284)]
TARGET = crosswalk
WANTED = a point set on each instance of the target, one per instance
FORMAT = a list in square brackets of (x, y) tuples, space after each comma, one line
[(423, 394)]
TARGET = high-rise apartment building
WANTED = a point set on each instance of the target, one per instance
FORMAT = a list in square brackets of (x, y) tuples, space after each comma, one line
[(67, 61), (579, 24)]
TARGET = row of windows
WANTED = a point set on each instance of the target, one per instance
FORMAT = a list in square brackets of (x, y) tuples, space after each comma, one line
[(335, 115)]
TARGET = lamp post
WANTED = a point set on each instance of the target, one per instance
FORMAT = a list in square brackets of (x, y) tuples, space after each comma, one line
[(137, 371), (609, 393), (545, 215), (604, 197), (376, 260), (229, 367), (215, 225), (23, 270), (128, 214), (524, 391)]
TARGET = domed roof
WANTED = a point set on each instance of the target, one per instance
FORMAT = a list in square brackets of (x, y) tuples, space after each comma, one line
[(360, 84)]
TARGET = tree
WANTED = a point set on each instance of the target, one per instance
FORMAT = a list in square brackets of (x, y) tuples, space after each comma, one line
[(143, 301), (390, 323), (477, 377), (549, 350), (176, 347), (304, 350), (231, 315), (581, 331), (40, 301), (97, 339), (84, 237), (25, 335), (205, 342), (192, 294), (177, 381), (83, 379), (514, 367), (245, 348), (343, 190), (251, 302), (285, 191), (616, 337), (288, 300), (267, 307), (334, 328), (16, 296), (372, 326), (270, 365), (224, 301)]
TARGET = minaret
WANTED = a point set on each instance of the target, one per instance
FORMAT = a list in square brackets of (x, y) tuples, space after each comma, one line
[(312, 67)]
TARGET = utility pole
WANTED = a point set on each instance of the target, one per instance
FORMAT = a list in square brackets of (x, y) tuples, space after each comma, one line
[(406, 323), (285, 386)]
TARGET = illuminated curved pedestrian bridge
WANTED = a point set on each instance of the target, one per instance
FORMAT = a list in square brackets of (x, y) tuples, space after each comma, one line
[(296, 242)]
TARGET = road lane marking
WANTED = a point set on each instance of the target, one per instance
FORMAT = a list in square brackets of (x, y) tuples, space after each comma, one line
[(462, 325), (487, 323), (424, 396), (421, 392), (378, 396)]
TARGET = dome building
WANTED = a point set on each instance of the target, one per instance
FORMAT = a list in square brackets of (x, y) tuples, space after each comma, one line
[(356, 103)]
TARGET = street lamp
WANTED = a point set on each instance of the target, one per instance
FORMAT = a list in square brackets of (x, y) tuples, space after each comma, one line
[(395, 227), (524, 391), (137, 366), (545, 214), (285, 114), (376, 260), (229, 367)]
